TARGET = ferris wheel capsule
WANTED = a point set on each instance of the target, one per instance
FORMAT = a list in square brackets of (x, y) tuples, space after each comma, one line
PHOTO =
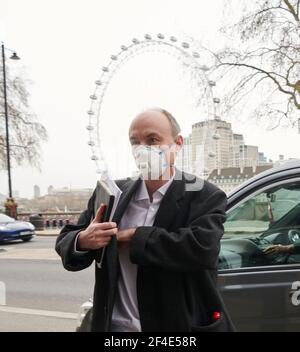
[(105, 69), (98, 82), (160, 36), (90, 127), (114, 57), (93, 97), (135, 41), (124, 47), (173, 39), (148, 36), (185, 45), (196, 55)]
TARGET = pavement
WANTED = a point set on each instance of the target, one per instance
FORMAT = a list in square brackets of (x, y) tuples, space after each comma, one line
[(35, 254), (29, 253), (41, 247), (48, 232), (40, 295)]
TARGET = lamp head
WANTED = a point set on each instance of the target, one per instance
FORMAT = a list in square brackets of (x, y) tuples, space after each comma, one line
[(15, 56)]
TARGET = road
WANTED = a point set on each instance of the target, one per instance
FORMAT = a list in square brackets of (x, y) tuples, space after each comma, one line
[(40, 294)]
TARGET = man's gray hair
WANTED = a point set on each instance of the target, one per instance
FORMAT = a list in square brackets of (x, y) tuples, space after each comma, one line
[(173, 123)]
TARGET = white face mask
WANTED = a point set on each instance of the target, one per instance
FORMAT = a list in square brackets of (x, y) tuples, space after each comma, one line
[(150, 160)]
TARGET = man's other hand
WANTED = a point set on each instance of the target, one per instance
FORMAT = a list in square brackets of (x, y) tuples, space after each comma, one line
[(124, 237)]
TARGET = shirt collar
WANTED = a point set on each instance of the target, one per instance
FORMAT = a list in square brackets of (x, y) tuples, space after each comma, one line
[(142, 193)]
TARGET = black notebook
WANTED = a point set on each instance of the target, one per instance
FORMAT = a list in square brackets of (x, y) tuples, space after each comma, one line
[(104, 195), (107, 193)]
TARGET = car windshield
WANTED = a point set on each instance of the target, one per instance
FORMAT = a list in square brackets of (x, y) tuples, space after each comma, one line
[(5, 219)]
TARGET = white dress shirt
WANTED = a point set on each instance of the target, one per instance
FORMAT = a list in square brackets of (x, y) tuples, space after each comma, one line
[(140, 212)]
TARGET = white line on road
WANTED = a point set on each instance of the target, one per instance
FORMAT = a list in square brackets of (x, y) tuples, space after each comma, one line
[(41, 312)]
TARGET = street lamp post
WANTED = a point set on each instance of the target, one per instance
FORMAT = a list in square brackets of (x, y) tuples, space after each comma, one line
[(6, 122), (10, 204)]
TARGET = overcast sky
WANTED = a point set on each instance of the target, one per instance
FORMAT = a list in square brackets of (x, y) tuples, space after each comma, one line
[(63, 45)]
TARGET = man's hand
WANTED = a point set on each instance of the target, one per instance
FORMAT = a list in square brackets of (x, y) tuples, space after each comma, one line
[(279, 249), (98, 234), (124, 237)]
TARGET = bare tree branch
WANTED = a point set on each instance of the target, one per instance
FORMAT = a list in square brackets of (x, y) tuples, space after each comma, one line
[(291, 10), (26, 133), (264, 59)]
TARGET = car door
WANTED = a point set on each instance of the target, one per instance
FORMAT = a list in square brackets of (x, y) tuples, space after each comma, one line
[(261, 291)]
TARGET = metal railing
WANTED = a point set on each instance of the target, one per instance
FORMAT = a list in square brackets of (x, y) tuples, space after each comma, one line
[(52, 220)]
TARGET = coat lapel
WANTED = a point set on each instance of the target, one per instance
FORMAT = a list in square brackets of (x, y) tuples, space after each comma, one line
[(128, 189), (170, 203)]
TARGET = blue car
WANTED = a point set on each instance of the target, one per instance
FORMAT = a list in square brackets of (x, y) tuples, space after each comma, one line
[(11, 229)]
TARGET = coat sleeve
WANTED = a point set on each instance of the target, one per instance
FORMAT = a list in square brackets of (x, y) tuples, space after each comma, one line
[(65, 243), (189, 249)]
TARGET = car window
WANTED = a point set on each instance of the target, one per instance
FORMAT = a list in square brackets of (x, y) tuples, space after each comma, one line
[(5, 219), (264, 229)]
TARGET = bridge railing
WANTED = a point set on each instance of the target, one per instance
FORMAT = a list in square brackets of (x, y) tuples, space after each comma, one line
[(50, 220)]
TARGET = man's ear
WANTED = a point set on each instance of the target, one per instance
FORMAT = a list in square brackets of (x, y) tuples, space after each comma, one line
[(179, 142)]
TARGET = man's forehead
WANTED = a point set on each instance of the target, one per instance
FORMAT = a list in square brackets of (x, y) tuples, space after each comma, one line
[(150, 120), (145, 132)]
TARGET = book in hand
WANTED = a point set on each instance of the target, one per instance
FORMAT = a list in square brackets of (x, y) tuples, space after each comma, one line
[(108, 194), (104, 196)]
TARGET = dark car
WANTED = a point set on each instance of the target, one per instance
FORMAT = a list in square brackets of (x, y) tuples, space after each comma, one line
[(11, 229), (261, 292)]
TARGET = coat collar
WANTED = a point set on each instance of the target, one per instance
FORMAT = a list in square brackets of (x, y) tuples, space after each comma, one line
[(128, 189), (169, 203)]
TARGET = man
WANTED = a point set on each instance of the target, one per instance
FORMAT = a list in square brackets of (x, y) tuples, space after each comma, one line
[(158, 271)]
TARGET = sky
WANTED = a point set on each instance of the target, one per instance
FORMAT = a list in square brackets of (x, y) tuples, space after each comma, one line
[(63, 46)]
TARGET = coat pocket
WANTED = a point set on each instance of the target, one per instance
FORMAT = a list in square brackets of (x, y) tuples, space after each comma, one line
[(217, 326)]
